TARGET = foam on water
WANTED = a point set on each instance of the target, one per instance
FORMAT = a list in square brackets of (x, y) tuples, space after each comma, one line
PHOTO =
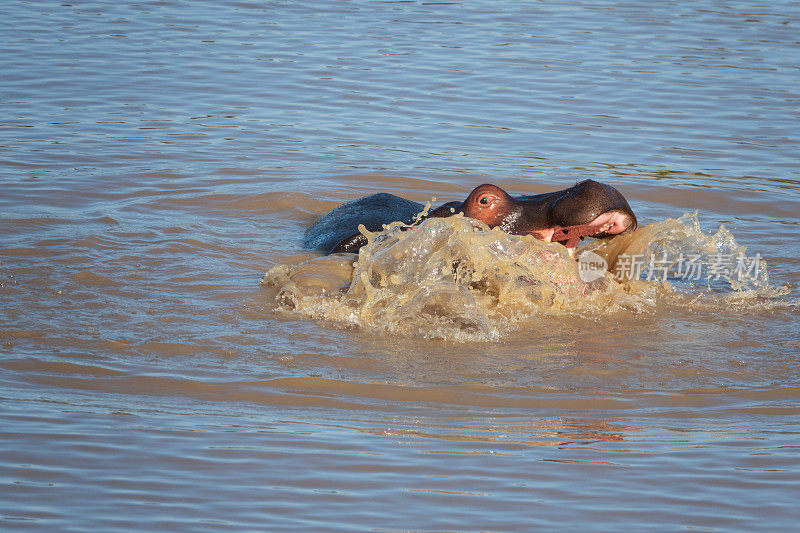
[(457, 279)]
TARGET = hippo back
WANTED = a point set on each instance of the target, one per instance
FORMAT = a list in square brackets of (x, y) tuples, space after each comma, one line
[(372, 211)]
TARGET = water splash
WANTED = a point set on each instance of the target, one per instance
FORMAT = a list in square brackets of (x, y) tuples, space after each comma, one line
[(699, 268), (455, 278)]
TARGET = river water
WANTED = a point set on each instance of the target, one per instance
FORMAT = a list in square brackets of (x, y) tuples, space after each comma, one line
[(157, 158)]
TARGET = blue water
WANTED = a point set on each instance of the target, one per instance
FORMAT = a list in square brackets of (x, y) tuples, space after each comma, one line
[(304, 90)]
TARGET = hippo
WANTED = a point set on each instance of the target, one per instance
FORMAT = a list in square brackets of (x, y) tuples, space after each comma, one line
[(587, 209)]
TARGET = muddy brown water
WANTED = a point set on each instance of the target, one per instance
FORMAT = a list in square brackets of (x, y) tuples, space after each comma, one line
[(158, 158)]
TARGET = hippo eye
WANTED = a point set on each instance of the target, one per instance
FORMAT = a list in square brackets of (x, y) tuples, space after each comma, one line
[(484, 200)]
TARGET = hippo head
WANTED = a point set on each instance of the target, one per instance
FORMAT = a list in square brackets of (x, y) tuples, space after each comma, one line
[(587, 209)]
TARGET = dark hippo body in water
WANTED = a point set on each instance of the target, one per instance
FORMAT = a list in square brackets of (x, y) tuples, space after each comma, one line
[(588, 208)]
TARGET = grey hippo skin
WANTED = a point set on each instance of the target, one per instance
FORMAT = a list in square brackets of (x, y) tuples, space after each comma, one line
[(588, 208)]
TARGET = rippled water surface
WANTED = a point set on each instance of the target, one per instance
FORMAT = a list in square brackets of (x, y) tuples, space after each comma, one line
[(157, 158)]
